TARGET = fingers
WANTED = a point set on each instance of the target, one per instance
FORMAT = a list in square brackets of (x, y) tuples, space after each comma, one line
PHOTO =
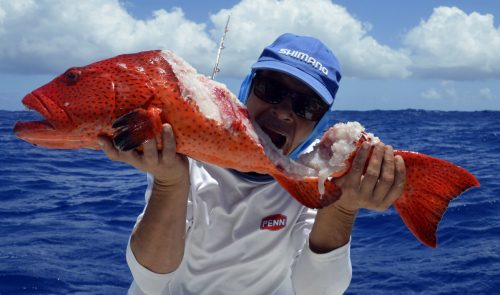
[(372, 174), (399, 180), (358, 164), (130, 157), (147, 158), (386, 179), (169, 145), (390, 181), (377, 187), (167, 167), (151, 156), (150, 153)]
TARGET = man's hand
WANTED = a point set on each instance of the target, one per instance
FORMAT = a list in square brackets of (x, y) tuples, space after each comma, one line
[(167, 167), (376, 189), (382, 183), (157, 241)]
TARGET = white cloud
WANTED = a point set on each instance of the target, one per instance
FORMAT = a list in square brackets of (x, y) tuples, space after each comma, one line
[(485, 93), (451, 92), (51, 35), (47, 36), (431, 94), (456, 94), (2, 15), (454, 45), (256, 23)]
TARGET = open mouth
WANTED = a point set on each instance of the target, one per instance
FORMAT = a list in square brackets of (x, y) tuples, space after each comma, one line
[(41, 111), (37, 105), (50, 127), (278, 139)]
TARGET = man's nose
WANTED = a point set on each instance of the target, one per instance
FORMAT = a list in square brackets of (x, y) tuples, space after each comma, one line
[(283, 110)]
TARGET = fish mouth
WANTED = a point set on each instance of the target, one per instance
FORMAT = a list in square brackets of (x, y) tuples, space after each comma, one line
[(48, 131), (37, 103)]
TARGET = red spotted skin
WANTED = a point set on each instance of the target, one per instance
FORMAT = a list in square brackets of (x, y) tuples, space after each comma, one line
[(130, 96), (431, 184), (84, 102), (204, 139)]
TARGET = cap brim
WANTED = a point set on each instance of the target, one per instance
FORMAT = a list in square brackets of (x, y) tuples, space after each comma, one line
[(302, 76)]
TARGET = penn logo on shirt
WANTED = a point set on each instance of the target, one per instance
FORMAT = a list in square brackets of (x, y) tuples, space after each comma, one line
[(273, 222)]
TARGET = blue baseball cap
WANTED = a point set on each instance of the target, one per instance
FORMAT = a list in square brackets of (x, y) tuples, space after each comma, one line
[(305, 58), (310, 61)]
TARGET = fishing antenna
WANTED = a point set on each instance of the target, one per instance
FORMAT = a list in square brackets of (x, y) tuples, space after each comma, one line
[(221, 46)]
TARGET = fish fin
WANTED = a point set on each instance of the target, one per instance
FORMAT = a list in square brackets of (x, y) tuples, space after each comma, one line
[(136, 127), (431, 184), (305, 191)]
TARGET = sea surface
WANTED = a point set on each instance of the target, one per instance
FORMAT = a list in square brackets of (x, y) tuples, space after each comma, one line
[(65, 216)]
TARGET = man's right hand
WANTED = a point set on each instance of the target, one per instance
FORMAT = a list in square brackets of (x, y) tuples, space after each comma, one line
[(166, 165), (157, 241)]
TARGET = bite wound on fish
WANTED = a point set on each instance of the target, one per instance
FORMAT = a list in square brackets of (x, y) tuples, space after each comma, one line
[(329, 155)]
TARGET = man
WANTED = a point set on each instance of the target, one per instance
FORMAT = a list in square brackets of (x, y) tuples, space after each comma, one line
[(209, 230)]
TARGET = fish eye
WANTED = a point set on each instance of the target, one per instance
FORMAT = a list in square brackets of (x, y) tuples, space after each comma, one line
[(71, 76)]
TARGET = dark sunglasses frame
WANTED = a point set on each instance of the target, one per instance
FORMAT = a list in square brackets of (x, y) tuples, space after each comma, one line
[(306, 106)]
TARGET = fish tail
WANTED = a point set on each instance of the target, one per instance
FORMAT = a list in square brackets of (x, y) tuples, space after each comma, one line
[(431, 184)]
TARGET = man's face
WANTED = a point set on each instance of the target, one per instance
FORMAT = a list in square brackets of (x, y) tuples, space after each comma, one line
[(279, 120)]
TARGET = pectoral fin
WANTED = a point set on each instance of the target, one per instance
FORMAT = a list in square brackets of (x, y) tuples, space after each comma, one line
[(136, 127)]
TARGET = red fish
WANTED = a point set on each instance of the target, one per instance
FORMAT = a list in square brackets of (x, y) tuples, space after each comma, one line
[(130, 96)]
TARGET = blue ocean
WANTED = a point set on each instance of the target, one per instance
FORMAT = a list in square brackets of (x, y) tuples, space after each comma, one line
[(65, 216)]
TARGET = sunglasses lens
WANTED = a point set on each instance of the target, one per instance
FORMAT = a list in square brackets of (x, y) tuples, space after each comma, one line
[(309, 107), (267, 90), (305, 106)]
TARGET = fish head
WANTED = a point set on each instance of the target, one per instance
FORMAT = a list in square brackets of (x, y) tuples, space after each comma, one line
[(83, 102)]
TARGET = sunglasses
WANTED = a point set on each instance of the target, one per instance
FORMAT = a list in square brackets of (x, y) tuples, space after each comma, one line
[(307, 106)]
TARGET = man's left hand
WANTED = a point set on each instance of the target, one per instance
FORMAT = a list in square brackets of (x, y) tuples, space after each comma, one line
[(379, 186)]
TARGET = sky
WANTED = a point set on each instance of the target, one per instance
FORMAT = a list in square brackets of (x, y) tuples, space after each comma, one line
[(433, 55)]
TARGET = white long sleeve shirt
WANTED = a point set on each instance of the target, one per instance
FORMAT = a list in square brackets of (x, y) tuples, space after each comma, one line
[(244, 237)]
